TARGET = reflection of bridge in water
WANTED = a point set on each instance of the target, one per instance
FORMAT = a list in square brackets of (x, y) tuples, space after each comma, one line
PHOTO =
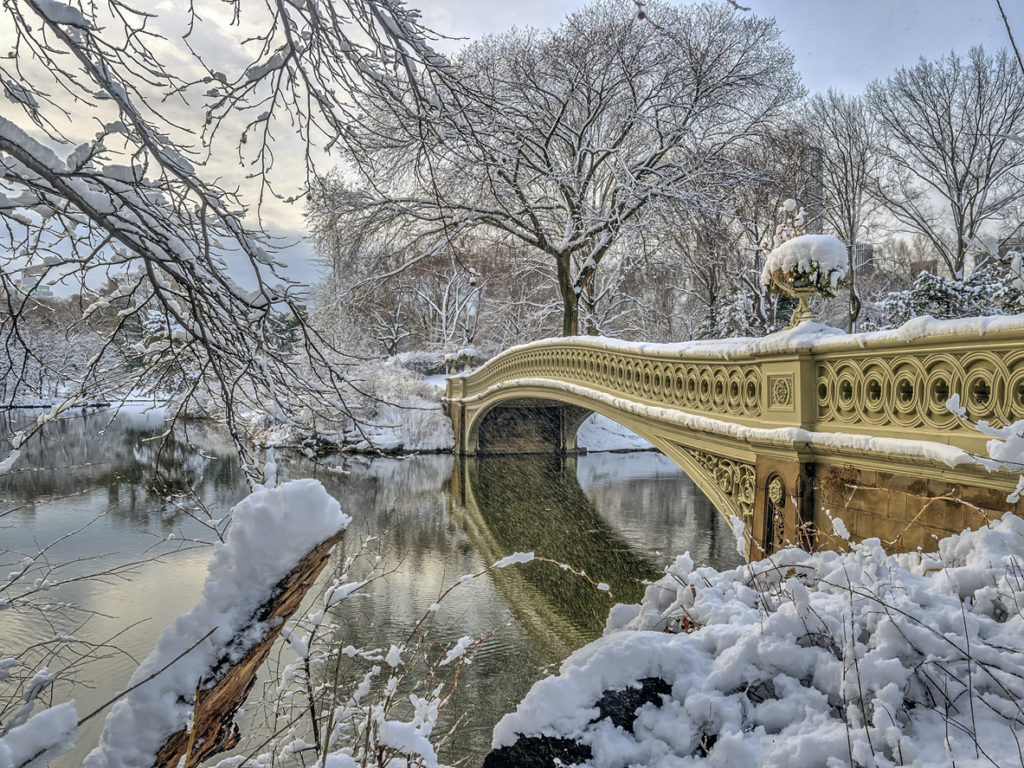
[(780, 432), (535, 503)]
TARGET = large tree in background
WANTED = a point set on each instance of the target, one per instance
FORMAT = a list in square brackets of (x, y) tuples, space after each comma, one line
[(847, 135), (566, 140), (952, 165)]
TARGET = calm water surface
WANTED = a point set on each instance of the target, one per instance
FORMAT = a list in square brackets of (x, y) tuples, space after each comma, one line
[(618, 517)]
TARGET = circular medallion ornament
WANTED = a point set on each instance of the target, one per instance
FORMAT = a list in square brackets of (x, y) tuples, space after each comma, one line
[(781, 392)]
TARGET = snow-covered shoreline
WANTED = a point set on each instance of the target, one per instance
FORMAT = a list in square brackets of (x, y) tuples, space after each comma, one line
[(820, 659)]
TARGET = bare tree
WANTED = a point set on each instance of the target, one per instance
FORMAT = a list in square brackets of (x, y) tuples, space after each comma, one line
[(566, 140), (846, 133), (109, 165), (952, 166)]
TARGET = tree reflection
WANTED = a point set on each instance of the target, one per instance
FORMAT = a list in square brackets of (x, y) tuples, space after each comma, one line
[(127, 455)]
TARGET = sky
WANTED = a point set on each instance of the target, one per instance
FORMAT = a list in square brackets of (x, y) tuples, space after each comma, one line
[(843, 44)]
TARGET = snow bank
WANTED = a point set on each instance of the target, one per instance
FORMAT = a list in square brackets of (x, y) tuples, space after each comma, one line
[(271, 531), (810, 660), (599, 433), (46, 736), (818, 259)]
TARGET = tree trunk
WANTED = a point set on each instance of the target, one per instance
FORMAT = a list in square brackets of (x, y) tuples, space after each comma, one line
[(570, 299), (855, 303), (570, 314), (215, 729)]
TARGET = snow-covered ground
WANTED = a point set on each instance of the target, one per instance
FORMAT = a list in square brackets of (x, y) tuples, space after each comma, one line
[(599, 433), (809, 660)]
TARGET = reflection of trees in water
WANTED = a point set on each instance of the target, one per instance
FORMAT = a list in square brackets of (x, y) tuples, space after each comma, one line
[(125, 453)]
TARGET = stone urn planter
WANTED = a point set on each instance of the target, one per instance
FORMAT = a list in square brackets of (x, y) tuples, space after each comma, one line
[(804, 267), (804, 312)]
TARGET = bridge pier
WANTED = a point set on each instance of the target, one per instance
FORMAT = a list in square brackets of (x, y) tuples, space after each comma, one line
[(783, 505)]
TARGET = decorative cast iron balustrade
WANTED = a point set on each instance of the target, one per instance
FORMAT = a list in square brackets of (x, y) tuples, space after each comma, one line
[(872, 384), (909, 389), (716, 388)]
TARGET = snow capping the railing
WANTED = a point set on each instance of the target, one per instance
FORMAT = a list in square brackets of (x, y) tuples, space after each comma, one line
[(271, 530), (810, 336)]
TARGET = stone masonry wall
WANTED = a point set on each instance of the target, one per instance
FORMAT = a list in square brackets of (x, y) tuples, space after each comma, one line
[(905, 512)]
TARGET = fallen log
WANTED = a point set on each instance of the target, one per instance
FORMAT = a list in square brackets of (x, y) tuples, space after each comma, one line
[(219, 699), (205, 661)]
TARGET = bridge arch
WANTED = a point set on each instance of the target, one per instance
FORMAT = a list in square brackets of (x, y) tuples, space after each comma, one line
[(854, 426), (545, 419)]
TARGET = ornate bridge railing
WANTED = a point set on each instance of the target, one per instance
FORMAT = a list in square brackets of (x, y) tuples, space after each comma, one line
[(764, 425), (890, 384)]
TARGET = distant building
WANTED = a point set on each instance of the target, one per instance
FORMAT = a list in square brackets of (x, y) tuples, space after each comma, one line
[(864, 259), (813, 199), (30, 282)]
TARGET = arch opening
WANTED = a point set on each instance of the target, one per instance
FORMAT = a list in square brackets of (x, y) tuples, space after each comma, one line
[(538, 420)]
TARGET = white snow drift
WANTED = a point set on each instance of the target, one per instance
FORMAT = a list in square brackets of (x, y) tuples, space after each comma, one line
[(810, 660)]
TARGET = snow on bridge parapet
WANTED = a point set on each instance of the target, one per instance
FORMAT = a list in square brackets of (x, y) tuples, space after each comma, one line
[(813, 377)]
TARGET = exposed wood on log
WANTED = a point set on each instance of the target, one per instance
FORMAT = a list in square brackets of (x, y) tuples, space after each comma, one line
[(225, 691)]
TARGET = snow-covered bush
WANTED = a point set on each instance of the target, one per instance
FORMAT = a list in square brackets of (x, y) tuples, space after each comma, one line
[(818, 261), (994, 288), (402, 412), (821, 659)]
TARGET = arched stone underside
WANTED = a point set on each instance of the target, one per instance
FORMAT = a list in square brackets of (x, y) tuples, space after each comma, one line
[(539, 419), (855, 428)]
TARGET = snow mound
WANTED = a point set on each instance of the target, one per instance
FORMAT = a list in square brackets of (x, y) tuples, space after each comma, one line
[(46, 736), (805, 659), (271, 531), (599, 433), (805, 256)]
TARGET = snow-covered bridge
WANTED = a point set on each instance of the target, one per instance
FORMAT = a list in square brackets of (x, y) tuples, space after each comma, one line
[(784, 430)]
